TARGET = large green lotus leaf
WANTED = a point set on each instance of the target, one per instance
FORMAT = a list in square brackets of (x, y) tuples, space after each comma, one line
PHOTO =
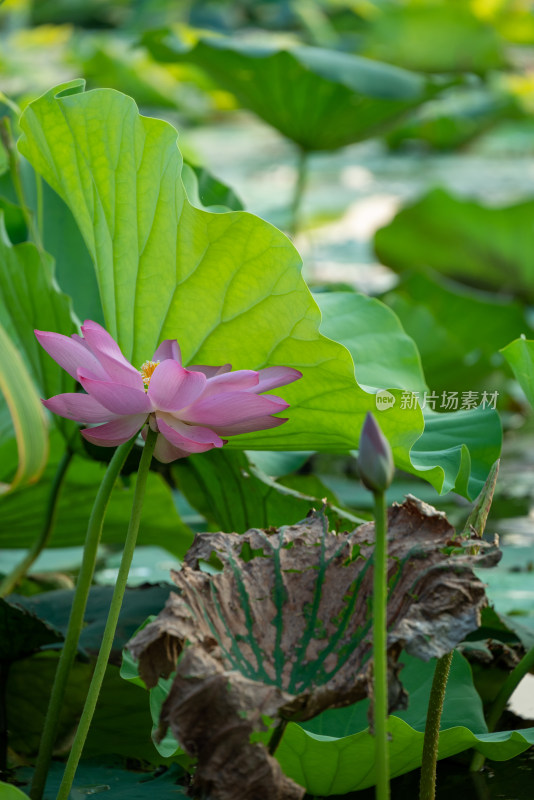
[(484, 247), (384, 355), (23, 511), (29, 299), (62, 238), (458, 330), (234, 495), (74, 269), (464, 444), (520, 356), (434, 38), (321, 99), (227, 286), (332, 753)]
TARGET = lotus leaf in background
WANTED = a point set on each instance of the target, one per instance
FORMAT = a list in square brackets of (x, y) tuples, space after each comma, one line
[(455, 119), (484, 247), (520, 356), (458, 330), (23, 511), (438, 37), (231, 492), (320, 99), (122, 723), (23, 632), (285, 632)]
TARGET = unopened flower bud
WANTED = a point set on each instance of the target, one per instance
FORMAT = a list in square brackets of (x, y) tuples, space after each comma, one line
[(375, 459)]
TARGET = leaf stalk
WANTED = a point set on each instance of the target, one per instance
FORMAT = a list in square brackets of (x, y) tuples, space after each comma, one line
[(70, 646), (112, 620)]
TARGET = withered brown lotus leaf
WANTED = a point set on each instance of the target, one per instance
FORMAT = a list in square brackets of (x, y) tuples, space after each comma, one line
[(284, 631)]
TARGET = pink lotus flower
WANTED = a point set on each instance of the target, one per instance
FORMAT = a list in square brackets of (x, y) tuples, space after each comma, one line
[(190, 408)]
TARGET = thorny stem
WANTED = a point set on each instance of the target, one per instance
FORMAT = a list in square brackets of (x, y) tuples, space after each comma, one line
[(499, 704), (380, 684), (300, 184), (70, 646), (427, 786), (276, 736), (10, 581), (113, 617)]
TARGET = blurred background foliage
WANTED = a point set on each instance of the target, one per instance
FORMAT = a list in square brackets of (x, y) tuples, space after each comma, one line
[(394, 140)]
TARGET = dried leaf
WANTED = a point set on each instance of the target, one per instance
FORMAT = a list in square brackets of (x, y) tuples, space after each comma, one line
[(285, 631)]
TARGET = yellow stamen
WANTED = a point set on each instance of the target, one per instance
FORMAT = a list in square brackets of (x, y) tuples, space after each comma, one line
[(147, 370)]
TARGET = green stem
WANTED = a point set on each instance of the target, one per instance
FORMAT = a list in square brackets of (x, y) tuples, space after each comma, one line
[(380, 684), (300, 185), (10, 581), (14, 169), (499, 704), (276, 736), (113, 618), (70, 645), (427, 786)]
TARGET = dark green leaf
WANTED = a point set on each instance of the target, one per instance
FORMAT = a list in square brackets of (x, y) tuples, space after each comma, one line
[(480, 245), (22, 631), (321, 99)]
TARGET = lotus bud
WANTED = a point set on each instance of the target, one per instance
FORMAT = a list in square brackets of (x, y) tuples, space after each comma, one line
[(375, 459)]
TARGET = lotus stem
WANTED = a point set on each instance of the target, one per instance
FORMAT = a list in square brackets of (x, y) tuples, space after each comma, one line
[(10, 581), (300, 185), (427, 786), (380, 683), (499, 704), (112, 620), (276, 736), (14, 168), (70, 646)]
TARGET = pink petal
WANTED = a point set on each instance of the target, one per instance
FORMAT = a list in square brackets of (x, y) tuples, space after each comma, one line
[(231, 382), (80, 407), (118, 398), (210, 372), (272, 377), (168, 349), (256, 424), (69, 353), (114, 433), (230, 408), (108, 353), (192, 439), (164, 451), (172, 387)]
